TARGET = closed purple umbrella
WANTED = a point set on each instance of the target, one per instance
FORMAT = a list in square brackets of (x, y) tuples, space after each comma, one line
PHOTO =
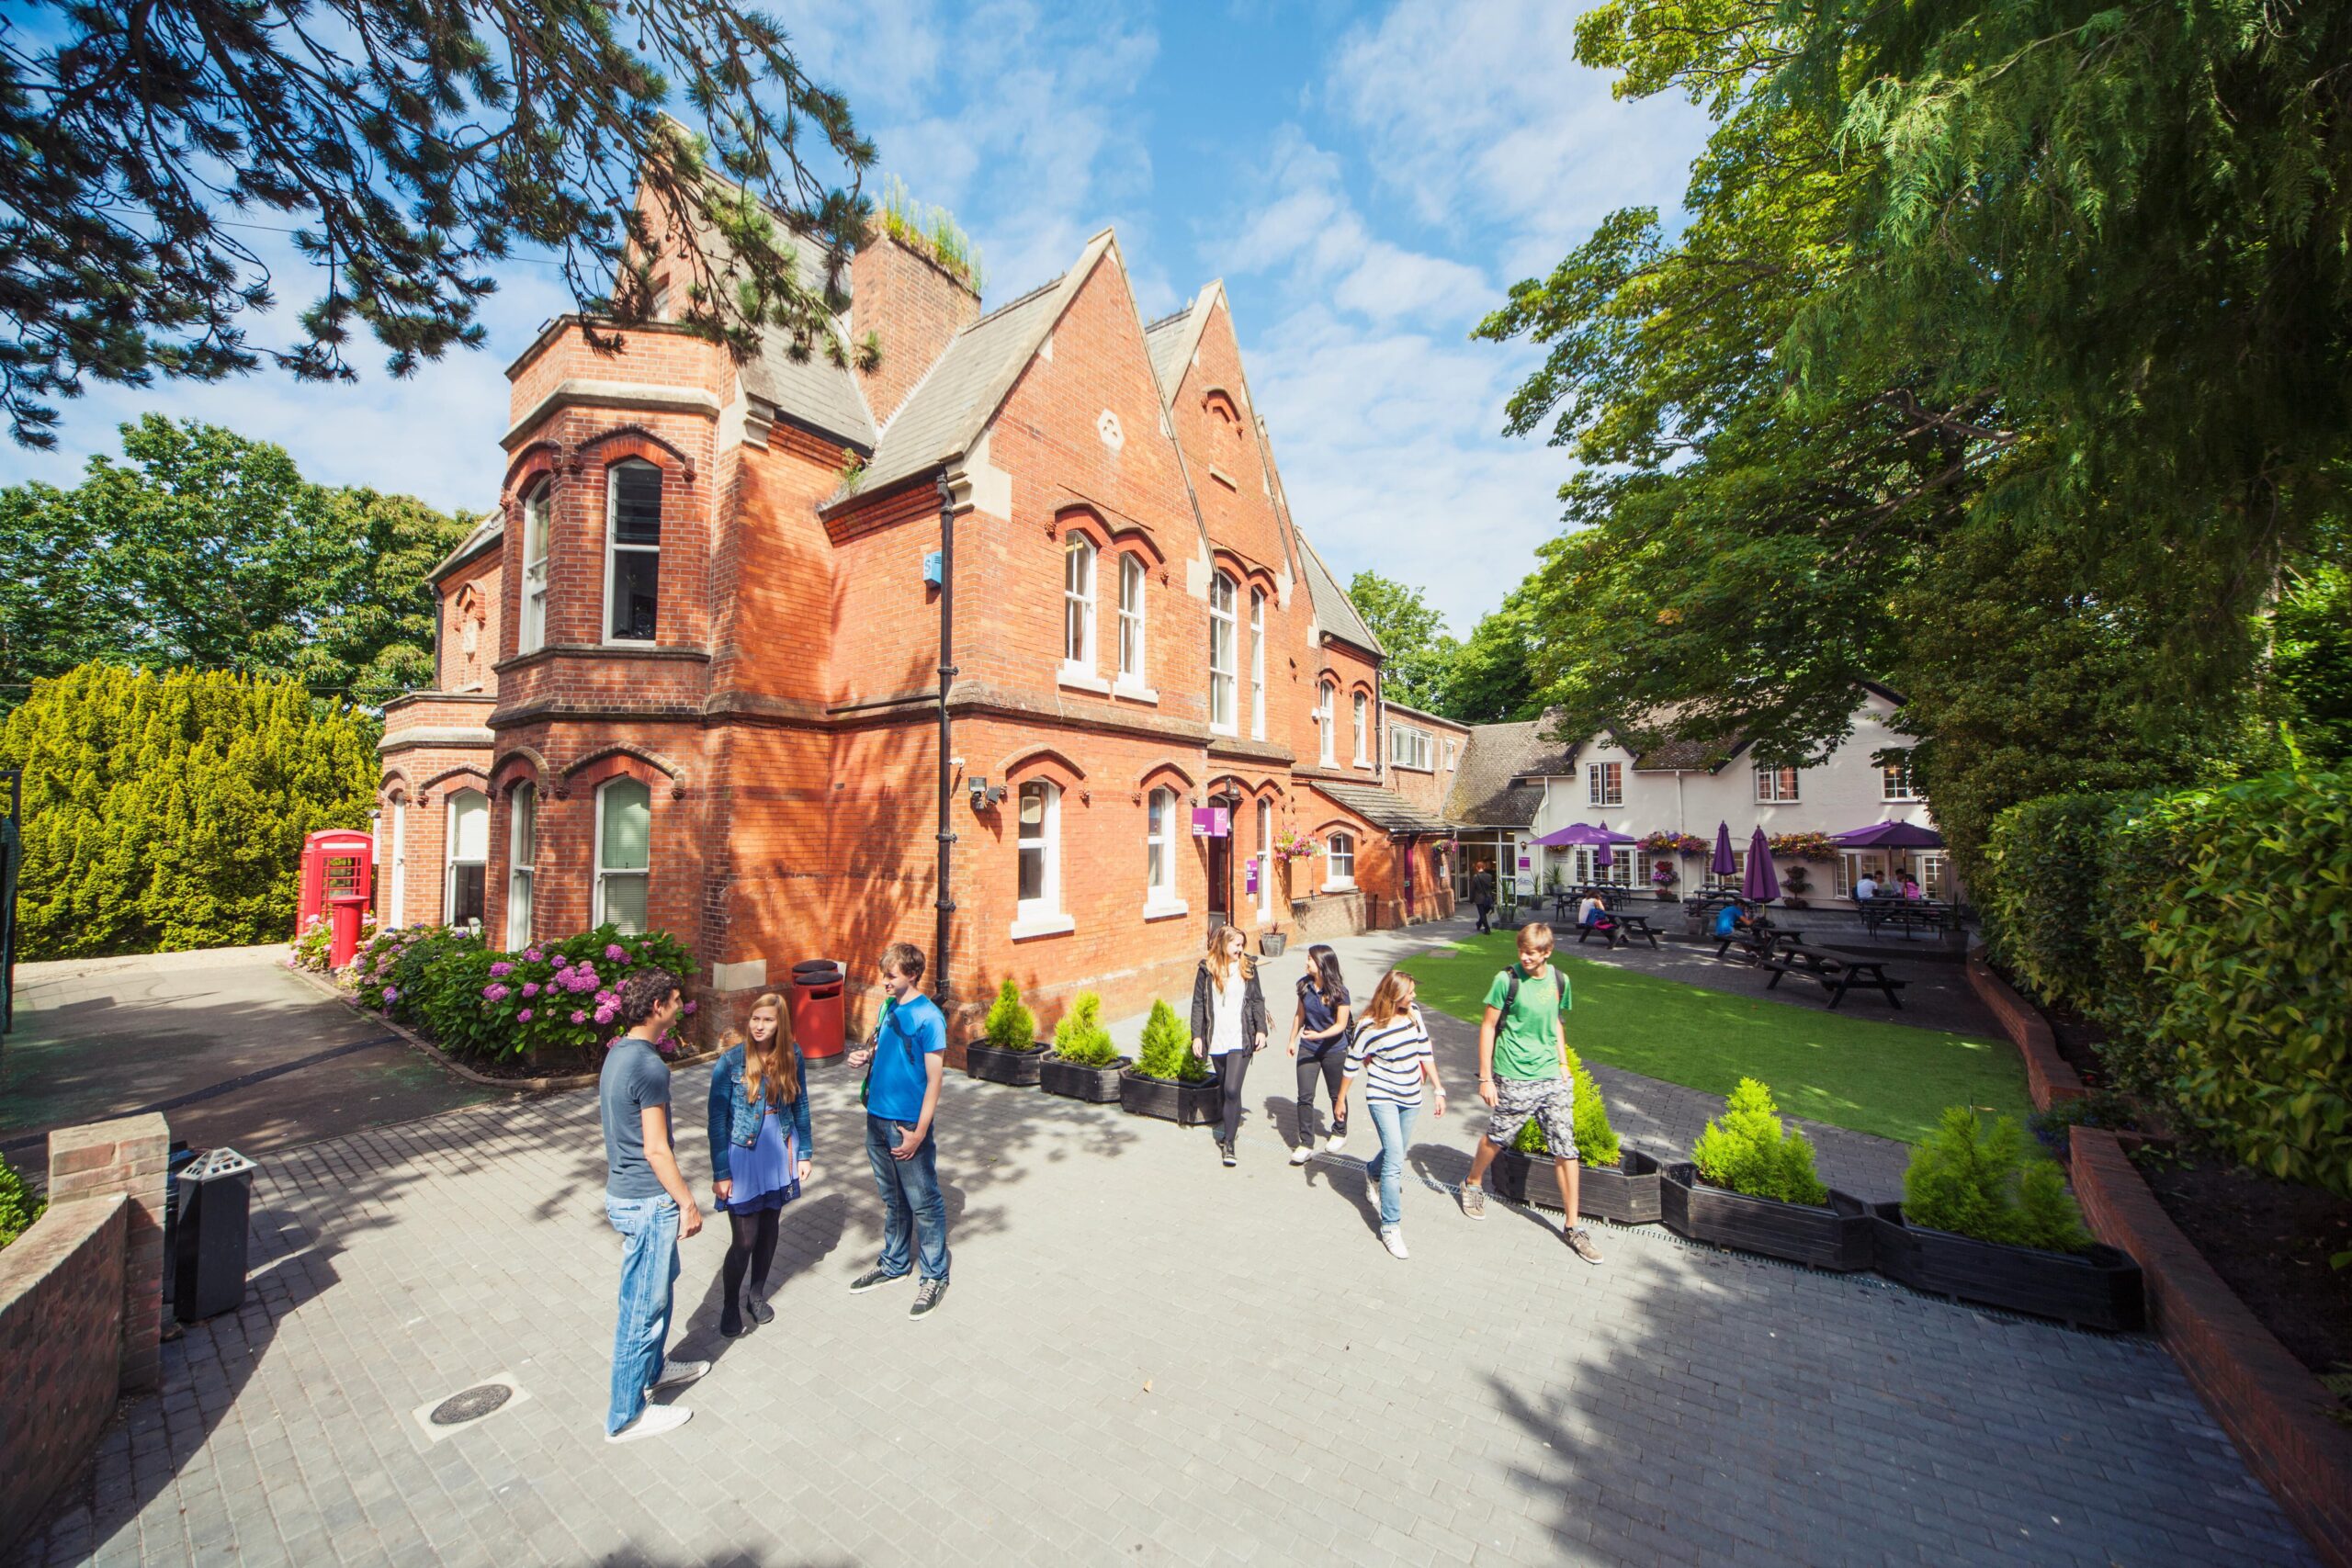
[(1725, 862), (1762, 884)]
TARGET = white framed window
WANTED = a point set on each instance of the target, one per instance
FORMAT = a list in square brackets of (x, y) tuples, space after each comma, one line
[(1409, 747), (1131, 621), (536, 509), (624, 853), (1038, 846), (1222, 637), (1359, 713), (1160, 849), (1448, 756), (1077, 603), (399, 912), (1327, 720), (1604, 784), (1340, 861), (1931, 872), (632, 550), (1774, 785), (522, 851), (1894, 783), (1256, 664), (1265, 860), (467, 857)]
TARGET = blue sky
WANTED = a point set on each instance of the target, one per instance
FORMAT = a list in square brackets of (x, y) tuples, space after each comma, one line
[(1368, 181)]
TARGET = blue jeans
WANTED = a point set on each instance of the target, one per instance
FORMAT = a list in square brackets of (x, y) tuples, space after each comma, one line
[(649, 1273), (1394, 1123), (910, 1199)]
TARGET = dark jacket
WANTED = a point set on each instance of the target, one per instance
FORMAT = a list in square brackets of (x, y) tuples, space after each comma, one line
[(1482, 887), (735, 1116), (1254, 1006)]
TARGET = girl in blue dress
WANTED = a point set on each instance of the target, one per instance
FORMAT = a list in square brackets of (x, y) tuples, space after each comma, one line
[(760, 1153)]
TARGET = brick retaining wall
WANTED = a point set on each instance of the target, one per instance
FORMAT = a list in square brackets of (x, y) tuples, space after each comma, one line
[(2046, 1075), (81, 1308), (2267, 1400)]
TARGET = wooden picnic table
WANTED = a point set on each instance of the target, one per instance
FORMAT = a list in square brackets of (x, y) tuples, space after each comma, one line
[(1836, 972), (1621, 929), (1908, 913), (1759, 946)]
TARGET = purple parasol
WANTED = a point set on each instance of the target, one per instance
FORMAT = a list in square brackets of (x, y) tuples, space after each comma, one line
[(1583, 833), (1892, 835), (1762, 884), (1724, 863)]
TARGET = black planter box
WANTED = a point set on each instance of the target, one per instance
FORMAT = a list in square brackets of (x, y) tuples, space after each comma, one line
[(1186, 1104), (1098, 1085), (1842, 1237), (2098, 1288), (1626, 1194), (991, 1064)]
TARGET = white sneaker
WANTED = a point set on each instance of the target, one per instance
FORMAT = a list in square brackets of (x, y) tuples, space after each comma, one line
[(1335, 1142), (1302, 1154), (1393, 1238), (678, 1375), (652, 1422)]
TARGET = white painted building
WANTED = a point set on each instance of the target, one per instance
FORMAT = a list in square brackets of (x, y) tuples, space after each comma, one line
[(1515, 787)]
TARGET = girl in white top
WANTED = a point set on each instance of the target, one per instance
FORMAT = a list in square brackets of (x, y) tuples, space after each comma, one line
[(1391, 1054), (1229, 1023)]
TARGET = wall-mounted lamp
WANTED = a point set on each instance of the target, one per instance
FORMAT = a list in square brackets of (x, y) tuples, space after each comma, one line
[(984, 794)]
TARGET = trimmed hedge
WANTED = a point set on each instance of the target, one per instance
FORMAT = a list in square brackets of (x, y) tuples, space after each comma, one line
[(2209, 932)]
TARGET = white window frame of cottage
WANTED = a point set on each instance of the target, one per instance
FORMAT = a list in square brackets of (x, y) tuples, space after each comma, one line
[(522, 858), (1338, 849), (1931, 872), (1134, 674), (1160, 836), (1265, 860), (602, 875), (1041, 915), (1327, 720), (1409, 747), (1256, 664), (1359, 715), (1604, 784), (462, 800), (614, 549), (1224, 695), (1894, 783), (1776, 786), (1079, 560), (1448, 756), (537, 510)]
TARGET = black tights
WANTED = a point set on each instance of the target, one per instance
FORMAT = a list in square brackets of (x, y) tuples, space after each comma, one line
[(1331, 1066), (752, 1246)]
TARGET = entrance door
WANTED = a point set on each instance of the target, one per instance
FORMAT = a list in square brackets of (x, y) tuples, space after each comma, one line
[(1265, 861), (1220, 881)]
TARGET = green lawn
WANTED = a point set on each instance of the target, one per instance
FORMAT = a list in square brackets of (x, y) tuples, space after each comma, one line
[(1886, 1079)]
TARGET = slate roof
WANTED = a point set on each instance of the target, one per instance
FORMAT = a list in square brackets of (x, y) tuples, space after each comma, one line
[(478, 539), (1168, 339), (1685, 754), (1392, 813), (1333, 610), (814, 390), (1483, 794)]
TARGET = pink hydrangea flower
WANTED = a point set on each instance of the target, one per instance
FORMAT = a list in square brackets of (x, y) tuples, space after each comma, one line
[(523, 1017), (391, 995), (533, 955), (530, 988), (605, 998), (604, 1015), (496, 992), (690, 1007), (616, 953), (500, 970), (578, 1016)]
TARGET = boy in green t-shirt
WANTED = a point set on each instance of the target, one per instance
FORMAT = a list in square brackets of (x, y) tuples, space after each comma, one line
[(1523, 1073)]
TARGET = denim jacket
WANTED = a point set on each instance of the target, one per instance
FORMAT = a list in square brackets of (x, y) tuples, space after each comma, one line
[(735, 1115)]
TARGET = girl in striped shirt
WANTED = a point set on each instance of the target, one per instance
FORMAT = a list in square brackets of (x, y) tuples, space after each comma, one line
[(1390, 1051)]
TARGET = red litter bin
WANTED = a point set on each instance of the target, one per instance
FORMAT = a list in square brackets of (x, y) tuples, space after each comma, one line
[(816, 1009)]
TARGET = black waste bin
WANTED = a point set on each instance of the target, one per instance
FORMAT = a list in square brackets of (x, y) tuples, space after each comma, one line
[(208, 1263), (177, 1160)]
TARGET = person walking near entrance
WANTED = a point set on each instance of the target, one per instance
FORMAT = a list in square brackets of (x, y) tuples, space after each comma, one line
[(649, 1203), (1523, 1073), (1390, 1051), (760, 1153), (904, 1062), (1318, 1038), (1228, 1025), (1482, 893)]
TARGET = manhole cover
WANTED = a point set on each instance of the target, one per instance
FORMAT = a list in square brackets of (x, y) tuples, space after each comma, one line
[(471, 1405)]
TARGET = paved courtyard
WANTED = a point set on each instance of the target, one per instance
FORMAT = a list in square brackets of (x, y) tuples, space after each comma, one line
[(1145, 1357)]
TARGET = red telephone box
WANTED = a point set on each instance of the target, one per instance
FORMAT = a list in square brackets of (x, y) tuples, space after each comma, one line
[(338, 881)]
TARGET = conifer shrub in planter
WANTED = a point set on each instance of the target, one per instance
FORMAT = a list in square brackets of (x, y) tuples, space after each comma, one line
[(1167, 1081), (1009, 1051), (1083, 1064), (1984, 1219), (1749, 1184), (1615, 1183)]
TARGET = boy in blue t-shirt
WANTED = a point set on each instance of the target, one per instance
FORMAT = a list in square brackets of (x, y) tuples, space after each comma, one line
[(904, 1061)]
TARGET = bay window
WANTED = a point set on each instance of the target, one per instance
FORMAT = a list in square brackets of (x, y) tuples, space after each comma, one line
[(624, 853), (522, 850), (632, 550), (467, 857), (536, 511)]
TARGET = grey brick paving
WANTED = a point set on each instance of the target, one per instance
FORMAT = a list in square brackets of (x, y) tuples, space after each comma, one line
[(1145, 1359)]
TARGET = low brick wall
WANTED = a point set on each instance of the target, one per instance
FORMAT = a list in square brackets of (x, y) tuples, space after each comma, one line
[(2048, 1078), (2267, 1400), (81, 1308)]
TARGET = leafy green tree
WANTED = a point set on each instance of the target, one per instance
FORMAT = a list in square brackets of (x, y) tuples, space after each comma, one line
[(168, 811), (1420, 652), (1494, 679), (412, 147), (205, 550)]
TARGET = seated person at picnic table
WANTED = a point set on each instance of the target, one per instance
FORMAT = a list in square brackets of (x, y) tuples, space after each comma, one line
[(1731, 919), (1911, 887), (1593, 912)]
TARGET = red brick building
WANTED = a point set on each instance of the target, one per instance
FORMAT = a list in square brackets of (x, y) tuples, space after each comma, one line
[(691, 670)]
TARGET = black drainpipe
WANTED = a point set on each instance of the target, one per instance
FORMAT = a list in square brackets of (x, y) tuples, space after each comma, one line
[(946, 767)]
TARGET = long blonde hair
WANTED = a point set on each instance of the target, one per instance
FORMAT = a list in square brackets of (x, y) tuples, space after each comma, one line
[(1389, 998), (771, 1066), (1221, 960)]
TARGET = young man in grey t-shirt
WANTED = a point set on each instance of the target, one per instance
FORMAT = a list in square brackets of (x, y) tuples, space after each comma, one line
[(649, 1204)]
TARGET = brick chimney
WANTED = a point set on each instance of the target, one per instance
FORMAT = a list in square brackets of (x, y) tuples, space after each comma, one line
[(914, 305)]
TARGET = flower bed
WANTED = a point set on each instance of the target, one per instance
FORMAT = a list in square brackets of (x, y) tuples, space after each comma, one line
[(550, 1002)]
